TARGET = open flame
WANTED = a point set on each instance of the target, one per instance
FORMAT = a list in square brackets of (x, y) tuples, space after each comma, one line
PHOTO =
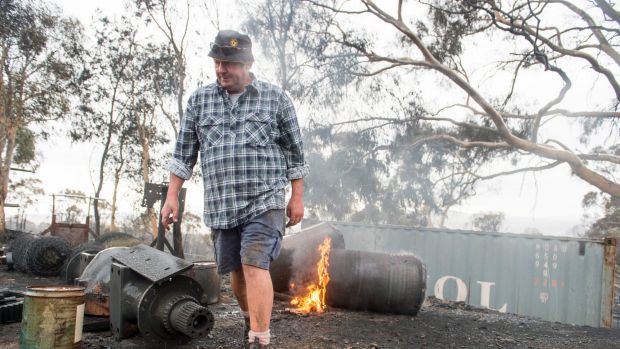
[(314, 300)]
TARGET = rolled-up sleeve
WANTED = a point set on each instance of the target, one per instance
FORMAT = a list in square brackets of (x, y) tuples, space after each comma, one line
[(290, 140), (187, 146)]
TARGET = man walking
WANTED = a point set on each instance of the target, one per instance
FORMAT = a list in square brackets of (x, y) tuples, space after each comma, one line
[(249, 142)]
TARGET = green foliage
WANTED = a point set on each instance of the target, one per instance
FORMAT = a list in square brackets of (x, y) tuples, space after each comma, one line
[(489, 221), (42, 62), (608, 223), (72, 206), (26, 192), (309, 63), (40, 68), (25, 147), (129, 82), (450, 23)]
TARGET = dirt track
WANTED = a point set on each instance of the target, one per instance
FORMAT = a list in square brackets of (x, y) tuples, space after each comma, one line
[(438, 325)]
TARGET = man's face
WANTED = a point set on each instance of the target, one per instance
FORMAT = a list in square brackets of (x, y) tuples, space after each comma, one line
[(232, 76)]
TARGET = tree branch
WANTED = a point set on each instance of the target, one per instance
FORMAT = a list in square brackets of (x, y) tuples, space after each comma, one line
[(525, 169), (608, 10), (601, 157)]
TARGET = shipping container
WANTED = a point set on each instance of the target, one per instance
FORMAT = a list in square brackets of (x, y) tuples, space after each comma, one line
[(569, 280)]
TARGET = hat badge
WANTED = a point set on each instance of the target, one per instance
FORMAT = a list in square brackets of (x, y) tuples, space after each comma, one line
[(234, 42)]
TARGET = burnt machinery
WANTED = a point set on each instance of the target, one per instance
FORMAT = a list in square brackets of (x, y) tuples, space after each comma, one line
[(143, 288)]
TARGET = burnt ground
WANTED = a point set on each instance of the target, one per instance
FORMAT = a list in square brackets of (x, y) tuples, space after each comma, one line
[(438, 325)]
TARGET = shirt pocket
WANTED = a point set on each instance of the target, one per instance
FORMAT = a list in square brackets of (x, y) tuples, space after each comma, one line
[(257, 129), (211, 130)]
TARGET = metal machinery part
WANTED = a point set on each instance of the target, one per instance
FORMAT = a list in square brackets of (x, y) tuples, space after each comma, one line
[(9, 261), (11, 306), (95, 278), (83, 254), (147, 291), (6, 258), (75, 264)]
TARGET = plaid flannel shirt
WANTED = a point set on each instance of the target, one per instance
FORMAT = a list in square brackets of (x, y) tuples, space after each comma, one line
[(249, 150)]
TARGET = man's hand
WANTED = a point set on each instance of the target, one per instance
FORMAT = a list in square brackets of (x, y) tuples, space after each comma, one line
[(294, 211), (170, 211)]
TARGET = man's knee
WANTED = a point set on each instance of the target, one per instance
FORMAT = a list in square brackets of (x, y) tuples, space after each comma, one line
[(252, 272)]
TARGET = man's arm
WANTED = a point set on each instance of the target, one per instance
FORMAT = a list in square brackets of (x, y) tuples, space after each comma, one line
[(295, 208), (291, 145), (181, 165), (170, 210)]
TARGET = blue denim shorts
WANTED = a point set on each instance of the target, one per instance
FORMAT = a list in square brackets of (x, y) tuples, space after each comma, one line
[(256, 242)]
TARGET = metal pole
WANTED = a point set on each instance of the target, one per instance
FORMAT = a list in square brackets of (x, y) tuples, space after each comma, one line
[(161, 232), (177, 237)]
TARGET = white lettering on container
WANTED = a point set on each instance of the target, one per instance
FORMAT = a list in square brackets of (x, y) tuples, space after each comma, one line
[(461, 288), (485, 296)]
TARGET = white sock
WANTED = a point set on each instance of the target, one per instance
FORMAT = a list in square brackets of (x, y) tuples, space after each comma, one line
[(263, 337)]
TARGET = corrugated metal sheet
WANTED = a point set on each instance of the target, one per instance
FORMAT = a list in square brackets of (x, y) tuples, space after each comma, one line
[(560, 279)]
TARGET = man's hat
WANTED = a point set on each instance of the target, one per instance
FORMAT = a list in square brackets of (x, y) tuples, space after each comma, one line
[(232, 46)]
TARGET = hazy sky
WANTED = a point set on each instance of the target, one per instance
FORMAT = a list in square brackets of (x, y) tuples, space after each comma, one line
[(549, 201)]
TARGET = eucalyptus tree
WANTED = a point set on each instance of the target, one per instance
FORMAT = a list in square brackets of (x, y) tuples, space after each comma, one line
[(130, 77), (173, 21), (151, 82), (531, 54), (285, 32), (40, 73), (109, 62), (358, 146)]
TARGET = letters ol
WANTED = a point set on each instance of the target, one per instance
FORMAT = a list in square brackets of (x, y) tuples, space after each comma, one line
[(462, 292)]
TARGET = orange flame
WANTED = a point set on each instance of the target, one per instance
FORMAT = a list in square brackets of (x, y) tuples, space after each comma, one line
[(314, 300)]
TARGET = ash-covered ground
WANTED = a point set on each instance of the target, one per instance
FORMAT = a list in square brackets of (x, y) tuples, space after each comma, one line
[(438, 325)]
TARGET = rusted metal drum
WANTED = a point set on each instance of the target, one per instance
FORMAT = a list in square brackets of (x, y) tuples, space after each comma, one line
[(376, 282), (53, 317), (358, 280), (205, 273)]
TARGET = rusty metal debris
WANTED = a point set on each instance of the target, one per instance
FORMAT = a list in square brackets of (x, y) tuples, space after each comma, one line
[(39, 255), (11, 306), (73, 233)]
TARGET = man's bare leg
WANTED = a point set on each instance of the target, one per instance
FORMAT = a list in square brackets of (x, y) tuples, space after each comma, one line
[(259, 295), (237, 282)]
